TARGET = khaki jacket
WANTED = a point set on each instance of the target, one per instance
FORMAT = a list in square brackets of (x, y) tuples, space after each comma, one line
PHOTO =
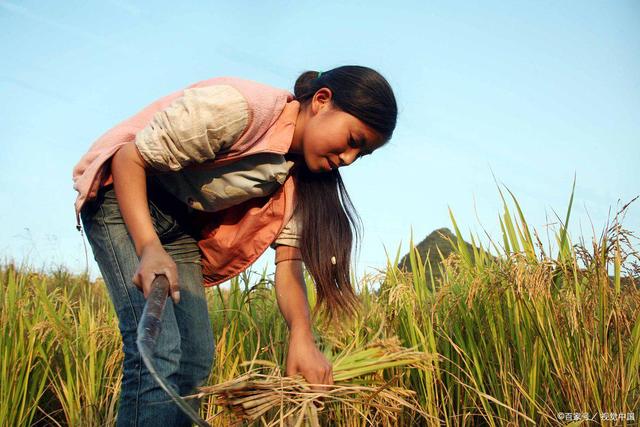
[(210, 141)]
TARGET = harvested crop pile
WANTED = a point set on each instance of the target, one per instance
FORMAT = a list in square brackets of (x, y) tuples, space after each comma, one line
[(364, 382)]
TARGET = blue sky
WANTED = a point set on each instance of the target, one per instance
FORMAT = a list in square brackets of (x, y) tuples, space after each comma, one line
[(533, 92)]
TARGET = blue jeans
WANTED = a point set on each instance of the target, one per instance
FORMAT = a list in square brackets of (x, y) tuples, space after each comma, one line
[(185, 348)]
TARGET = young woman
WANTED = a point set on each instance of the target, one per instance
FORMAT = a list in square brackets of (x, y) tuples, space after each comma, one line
[(197, 185)]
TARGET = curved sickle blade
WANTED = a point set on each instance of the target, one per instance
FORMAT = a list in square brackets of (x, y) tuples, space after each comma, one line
[(149, 329)]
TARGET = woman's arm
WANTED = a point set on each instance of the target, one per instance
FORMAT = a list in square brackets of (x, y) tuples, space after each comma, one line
[(291, 293), (129, 182), (191, 129)]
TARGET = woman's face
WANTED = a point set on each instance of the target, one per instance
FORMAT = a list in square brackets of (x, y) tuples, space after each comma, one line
[(331, 138)]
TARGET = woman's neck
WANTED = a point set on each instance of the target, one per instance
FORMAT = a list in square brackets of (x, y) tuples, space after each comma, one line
[(292, 156), (296, 141)]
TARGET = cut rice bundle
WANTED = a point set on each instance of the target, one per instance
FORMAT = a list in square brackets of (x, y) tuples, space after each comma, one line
[(359, 385)]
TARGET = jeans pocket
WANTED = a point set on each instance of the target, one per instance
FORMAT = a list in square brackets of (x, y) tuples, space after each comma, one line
[(165, 225), (105, 207)]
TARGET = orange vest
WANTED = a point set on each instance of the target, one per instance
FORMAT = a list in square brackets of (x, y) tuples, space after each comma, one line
[(233, 238)]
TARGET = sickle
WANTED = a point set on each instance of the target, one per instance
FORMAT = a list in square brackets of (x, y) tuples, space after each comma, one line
[(149, 329)]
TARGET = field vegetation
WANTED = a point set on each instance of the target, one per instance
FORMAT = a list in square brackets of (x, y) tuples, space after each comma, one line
[(511, 333)]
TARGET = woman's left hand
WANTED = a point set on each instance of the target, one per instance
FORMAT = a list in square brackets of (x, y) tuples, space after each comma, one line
[(305, 358)]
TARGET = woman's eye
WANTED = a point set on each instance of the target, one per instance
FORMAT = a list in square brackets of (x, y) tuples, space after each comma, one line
[(354, 144)]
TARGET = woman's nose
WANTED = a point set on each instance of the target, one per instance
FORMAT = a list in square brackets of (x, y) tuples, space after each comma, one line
[(348, 157)]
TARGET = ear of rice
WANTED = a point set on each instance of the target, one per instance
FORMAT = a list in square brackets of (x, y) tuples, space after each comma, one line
[(359, 384)]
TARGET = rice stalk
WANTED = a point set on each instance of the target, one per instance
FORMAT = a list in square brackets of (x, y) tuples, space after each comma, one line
[(359, 383)]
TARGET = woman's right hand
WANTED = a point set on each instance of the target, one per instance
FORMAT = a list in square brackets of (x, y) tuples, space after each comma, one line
[(155, 260)]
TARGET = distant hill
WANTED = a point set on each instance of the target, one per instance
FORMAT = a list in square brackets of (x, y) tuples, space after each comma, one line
[(437, 238)]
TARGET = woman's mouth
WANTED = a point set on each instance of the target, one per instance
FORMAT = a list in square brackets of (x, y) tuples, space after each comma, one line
[(332, 166)]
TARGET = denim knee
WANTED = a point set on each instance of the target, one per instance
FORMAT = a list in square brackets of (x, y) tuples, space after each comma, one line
[(196, 334)]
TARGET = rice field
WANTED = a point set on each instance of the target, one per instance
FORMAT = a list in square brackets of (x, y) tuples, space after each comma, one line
[(510, 334)]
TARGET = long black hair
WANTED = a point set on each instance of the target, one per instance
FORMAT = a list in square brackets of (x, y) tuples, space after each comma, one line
[(329, 220)]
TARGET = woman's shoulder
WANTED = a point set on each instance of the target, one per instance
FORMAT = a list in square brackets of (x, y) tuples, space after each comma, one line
[(257, 94), (264, 102)]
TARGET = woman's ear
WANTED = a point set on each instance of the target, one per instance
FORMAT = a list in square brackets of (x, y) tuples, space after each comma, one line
[(321, 99)]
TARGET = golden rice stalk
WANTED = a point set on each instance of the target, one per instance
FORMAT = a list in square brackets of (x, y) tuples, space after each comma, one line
[(359, 387)]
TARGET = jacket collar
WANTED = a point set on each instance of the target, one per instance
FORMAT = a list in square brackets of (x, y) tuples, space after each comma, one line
[(276, 140)]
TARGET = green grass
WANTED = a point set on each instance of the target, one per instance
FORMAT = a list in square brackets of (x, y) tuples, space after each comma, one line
[(515, 334)]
